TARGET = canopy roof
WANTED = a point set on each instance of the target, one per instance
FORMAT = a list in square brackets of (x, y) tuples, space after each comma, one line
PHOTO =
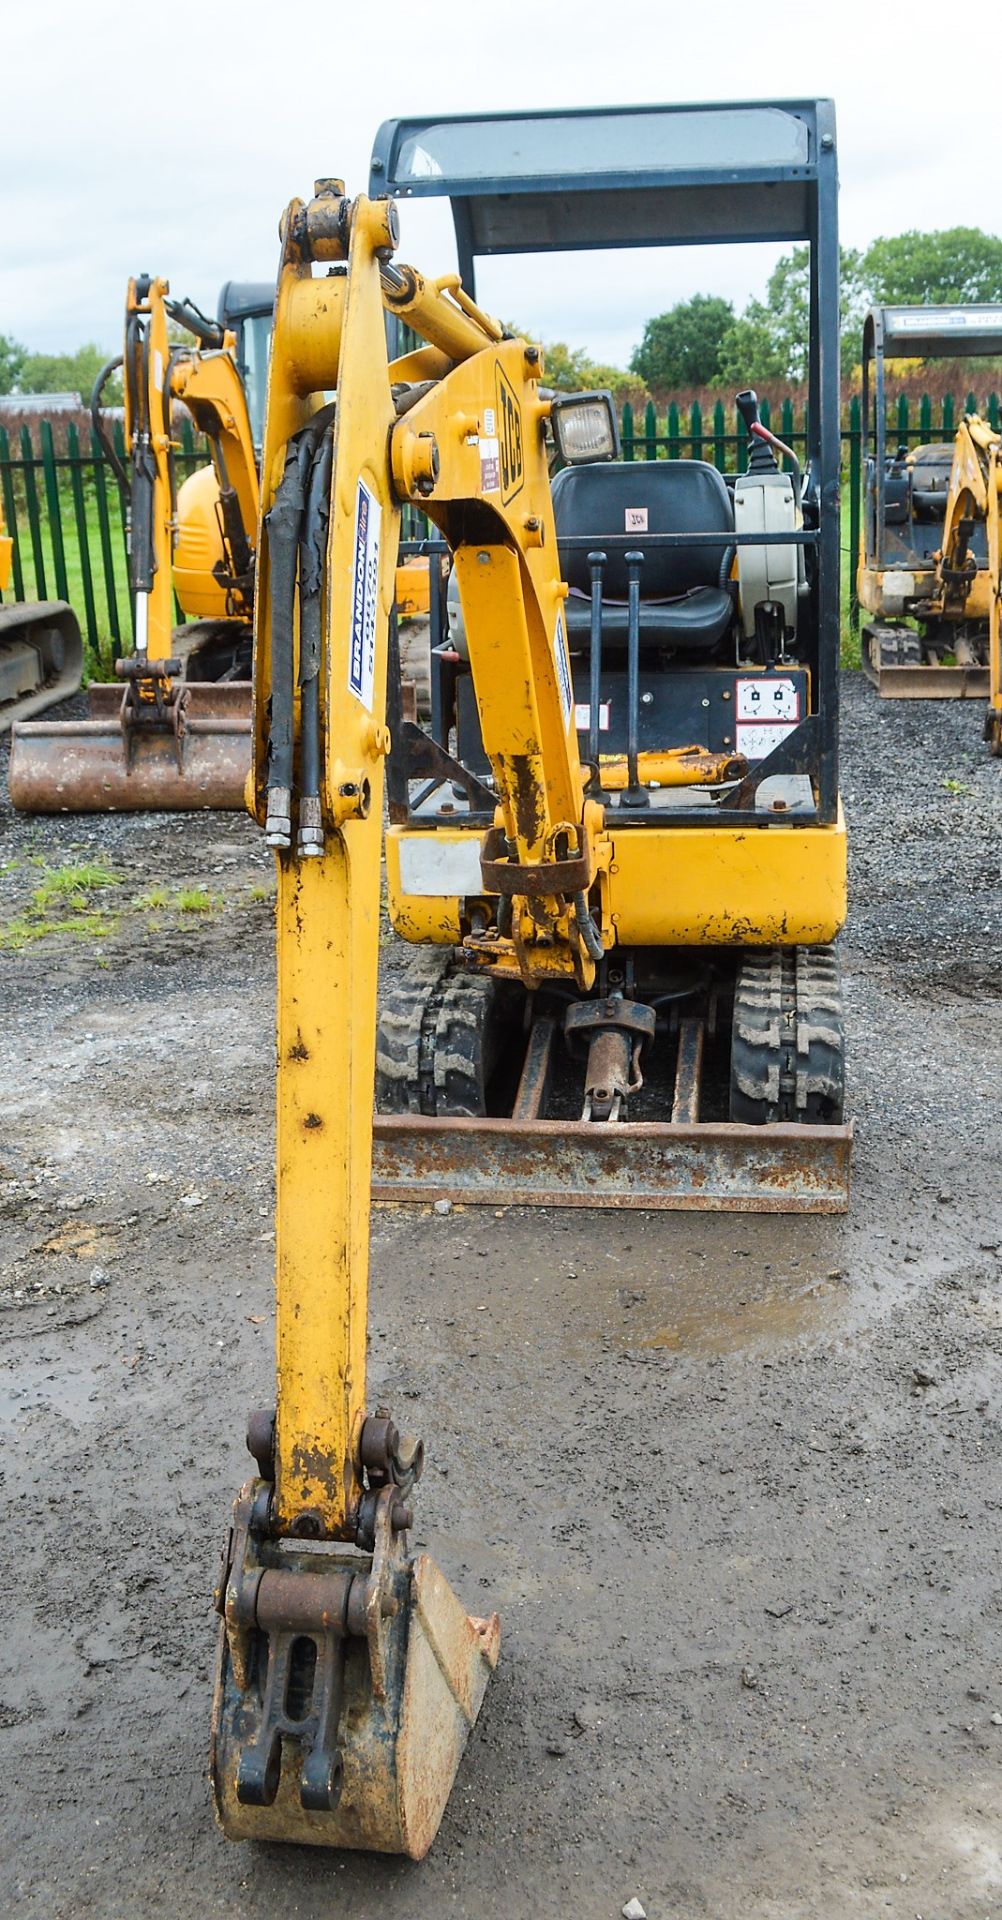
[(598, 177), (931, 333)]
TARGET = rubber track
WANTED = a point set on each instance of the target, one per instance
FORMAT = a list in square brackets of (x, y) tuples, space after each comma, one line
[(788, 1037), (435, 1046)]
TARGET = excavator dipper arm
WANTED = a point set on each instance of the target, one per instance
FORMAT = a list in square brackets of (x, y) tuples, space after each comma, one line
[(349, 1673)]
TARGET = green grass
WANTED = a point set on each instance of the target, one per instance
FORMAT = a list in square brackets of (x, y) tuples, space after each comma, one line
[(65, 901), (196, 900)]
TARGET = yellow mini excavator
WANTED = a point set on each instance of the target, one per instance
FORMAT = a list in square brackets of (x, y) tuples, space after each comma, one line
[(41, 651), (349, 1675), (622, 833), (924, 567), (175, 732)]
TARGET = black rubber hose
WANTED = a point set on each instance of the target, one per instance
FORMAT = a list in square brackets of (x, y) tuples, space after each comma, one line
[(312, 564), (104, 438), (284, 522), (209, 333)]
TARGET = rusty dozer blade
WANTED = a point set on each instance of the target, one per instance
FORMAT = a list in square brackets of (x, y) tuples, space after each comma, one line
[(661, 1166), (41, 657), (346, 1686), (200, 758)]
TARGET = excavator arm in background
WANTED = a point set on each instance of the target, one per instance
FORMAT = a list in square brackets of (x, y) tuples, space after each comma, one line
[(973, 495), (177, 733)]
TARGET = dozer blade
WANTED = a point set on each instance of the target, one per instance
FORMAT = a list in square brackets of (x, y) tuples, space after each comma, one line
[(41, 657), (707, 1167), (98, 766), (345, 1690)]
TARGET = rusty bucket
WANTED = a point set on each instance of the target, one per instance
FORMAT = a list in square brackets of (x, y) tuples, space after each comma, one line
[(104, 764), (346, 1687)]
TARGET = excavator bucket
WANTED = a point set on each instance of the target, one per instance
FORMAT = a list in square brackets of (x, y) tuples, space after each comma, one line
[(199, 757), (41, 657), (345, 1690)]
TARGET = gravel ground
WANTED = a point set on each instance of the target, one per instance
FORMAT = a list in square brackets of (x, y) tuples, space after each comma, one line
[(733, 1484)]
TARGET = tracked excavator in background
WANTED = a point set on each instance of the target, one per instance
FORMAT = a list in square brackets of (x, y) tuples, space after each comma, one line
[(611, 898), (175, 731), (41, 651), (929, 525)]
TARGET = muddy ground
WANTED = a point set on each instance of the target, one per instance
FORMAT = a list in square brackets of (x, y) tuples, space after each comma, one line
[(733, 1484)]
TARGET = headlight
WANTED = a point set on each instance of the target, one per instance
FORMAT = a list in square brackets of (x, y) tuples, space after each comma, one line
[(585, 427)]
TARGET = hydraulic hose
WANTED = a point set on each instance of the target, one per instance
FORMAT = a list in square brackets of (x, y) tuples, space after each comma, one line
[(312, 555), (104, 438), (284, 522)]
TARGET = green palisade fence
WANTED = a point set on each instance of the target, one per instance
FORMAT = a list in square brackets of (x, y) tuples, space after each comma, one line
[(64, 510)]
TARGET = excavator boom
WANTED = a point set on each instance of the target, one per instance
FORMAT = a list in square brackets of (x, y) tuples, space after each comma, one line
[(175, 732)]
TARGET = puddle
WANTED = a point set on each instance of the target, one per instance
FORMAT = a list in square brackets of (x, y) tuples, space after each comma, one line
[(791, 1307), (688, 1284)]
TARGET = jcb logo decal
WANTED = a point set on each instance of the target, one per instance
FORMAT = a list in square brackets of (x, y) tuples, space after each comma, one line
[(510, 436)]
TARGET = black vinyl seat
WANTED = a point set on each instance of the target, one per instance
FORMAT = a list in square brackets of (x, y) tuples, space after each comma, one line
[(682, 601)]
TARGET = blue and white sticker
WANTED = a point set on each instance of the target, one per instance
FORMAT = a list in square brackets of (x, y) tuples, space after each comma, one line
[(364, 597), (563, 668)]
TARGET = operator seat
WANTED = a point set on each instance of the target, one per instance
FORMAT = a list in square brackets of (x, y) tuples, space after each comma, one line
[(684, 600)]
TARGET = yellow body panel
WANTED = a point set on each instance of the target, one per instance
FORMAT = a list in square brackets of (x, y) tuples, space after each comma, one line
[(890, 592), (198, 547), (665, 886), (6, 560), (413, 589)]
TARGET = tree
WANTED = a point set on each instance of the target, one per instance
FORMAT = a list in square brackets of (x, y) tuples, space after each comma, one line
[(62, 372), (12, 357), (948, 268), (681, 348), (570, 370), (770, 340)]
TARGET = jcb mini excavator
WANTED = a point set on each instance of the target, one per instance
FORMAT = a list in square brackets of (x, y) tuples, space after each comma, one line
[(665, 1027), (925, 564), (41, 651), (177, 732), (349, 1674)]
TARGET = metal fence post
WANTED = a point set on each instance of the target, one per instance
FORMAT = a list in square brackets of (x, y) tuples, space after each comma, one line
[(107, 562), (719, 430), (34, 518), (650, 432), (54, 507), (10, 514), (83, 533)]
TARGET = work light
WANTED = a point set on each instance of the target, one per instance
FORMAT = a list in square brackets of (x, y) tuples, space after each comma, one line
[(585, 427)]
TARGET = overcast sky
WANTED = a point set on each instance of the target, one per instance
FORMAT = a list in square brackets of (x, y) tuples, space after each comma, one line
[(134, 138)]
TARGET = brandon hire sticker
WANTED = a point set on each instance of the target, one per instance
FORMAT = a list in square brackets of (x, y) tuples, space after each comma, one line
[(563, 669), (364, 597)]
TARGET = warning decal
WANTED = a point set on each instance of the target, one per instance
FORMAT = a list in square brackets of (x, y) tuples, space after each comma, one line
[(768, 709), (364, 597)]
